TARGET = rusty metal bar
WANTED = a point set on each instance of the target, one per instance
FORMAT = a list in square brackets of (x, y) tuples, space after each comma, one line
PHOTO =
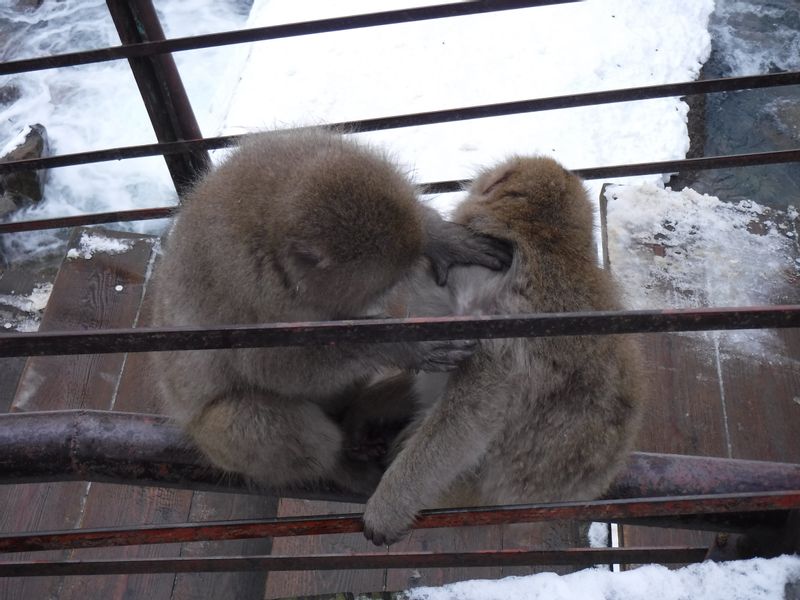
[(371, 560), (150, 450), (432, 117), (716, 162), (599, 510), (115, 447), (140, 214), (109, 341), (161, 88), (652, 168), (226, 38)]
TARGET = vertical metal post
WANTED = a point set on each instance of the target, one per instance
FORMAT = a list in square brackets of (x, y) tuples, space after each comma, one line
[(161, 88)]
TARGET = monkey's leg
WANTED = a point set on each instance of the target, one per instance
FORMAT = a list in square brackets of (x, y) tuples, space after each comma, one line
[(277, 442), (448, 443), (373, 419)]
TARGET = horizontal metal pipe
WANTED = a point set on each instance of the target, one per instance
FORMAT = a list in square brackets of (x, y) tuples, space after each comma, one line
[(150, 450), (429, 118), (109, 341), (117, 447), (697, 164), (141, 449), (598, 510), (140, 214), (226, 38), (327, 562)]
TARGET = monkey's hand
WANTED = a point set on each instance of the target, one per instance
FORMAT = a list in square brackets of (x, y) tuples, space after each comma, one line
[(451, 244), (388, 516), (441, 355)]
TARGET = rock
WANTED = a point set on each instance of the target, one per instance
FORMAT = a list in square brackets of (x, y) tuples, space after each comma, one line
[(28, 4), (23, 188), (9, 94)]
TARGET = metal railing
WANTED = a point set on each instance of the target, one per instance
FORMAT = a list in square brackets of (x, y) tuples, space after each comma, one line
[(760, 510)]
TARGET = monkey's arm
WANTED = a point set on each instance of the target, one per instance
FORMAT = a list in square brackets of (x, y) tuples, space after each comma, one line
[(449, 244), (449, 442), (321, 371)]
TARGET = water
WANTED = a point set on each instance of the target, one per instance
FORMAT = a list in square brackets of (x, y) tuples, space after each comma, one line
[(750, 38), (98, 106)]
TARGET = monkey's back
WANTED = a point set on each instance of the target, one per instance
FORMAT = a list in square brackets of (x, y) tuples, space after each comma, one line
[(571, 405)]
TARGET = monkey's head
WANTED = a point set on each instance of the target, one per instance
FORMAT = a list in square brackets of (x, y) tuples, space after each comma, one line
[(355, 230), (532, 202)]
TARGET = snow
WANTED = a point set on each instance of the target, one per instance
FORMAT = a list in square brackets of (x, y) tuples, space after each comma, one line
[(16, 141), (464, 61), (598, 535), (683, 249), (757, 579), (378, 71), (32, 305), (91, 243)]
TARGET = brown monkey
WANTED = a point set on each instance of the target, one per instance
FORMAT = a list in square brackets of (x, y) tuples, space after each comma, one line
[(295, 226), (522, 420)]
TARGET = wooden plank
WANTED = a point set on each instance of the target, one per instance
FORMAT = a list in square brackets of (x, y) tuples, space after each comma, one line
[(762, 398), (10, 374), (112, 505), (310, 583), (445, 540), (728, 394), (556, 535), (109, 505), (102, 291), (208, 506), (683, 416)]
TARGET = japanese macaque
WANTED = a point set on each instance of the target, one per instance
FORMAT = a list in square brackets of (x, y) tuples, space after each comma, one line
[(521, 420), (296, 226)]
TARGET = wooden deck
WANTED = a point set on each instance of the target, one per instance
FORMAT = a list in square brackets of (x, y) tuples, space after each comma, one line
[(707, 400)]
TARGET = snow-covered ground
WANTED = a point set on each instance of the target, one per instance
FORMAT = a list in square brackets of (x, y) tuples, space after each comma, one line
[(356, 74), (529, 53), (682, 249), (756, 579)]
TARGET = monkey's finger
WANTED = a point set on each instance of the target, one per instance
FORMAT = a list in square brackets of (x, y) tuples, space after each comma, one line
[(493, 253), (440, 271)]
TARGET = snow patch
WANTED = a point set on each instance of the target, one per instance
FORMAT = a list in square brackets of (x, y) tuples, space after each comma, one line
[(91, 243), (445, 63), (757, 579), (598, 535), (32, 306), (683, 249), (16, 141)]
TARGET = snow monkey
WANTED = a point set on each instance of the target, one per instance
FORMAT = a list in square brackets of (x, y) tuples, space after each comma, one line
[(521, 420), (295, 226)]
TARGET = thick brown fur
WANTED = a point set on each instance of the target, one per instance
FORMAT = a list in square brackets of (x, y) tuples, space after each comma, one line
[(522, 420), (294, 226)]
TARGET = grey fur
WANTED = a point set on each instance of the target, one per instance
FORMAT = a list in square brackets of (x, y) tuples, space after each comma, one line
[(523, 420), (294, 226)]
